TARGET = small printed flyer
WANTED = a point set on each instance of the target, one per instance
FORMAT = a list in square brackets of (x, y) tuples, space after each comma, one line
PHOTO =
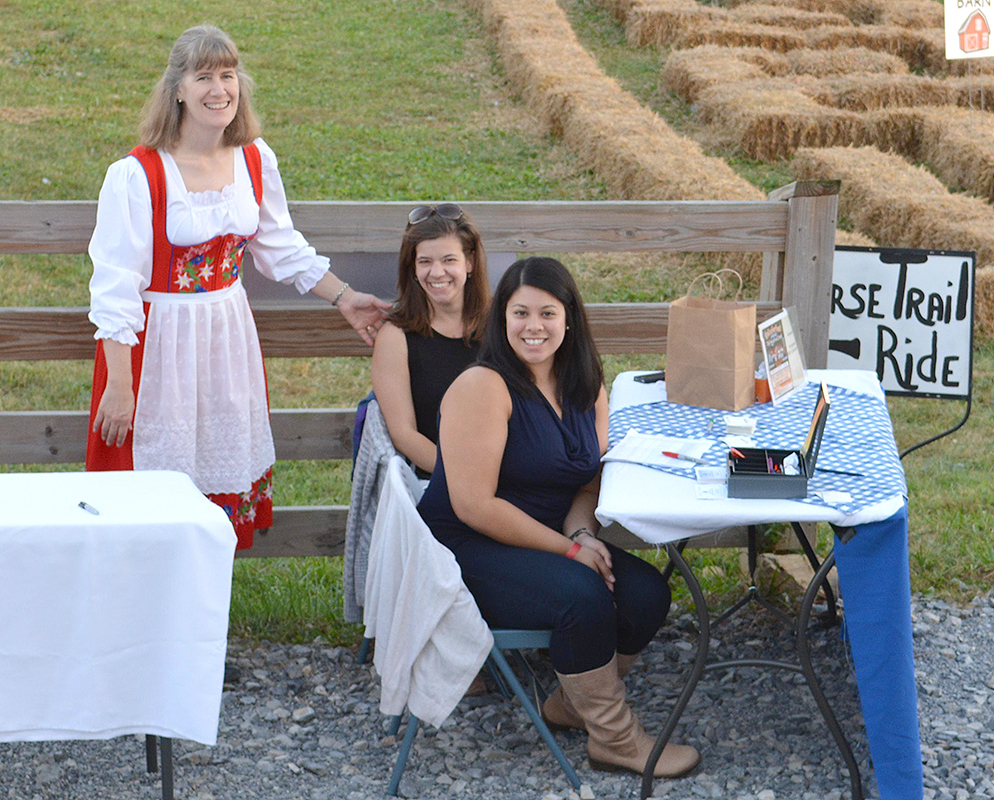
[(782, 356)]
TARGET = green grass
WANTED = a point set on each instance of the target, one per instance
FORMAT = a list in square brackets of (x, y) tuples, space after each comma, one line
[(377, 99)]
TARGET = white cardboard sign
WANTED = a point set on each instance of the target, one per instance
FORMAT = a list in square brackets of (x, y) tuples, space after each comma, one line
[(968, 28), (907, 315)]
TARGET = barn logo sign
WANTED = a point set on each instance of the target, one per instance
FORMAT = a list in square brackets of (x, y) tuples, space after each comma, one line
[(968, 33), (907, 315)]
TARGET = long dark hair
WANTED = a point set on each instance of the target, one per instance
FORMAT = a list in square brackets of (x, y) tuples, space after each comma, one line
[(412, 311), (576, 365)]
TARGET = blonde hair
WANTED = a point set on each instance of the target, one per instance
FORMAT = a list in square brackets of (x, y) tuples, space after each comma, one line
[(202, 47)]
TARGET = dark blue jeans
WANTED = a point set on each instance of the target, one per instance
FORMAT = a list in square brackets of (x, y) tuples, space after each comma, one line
[(516, 587)]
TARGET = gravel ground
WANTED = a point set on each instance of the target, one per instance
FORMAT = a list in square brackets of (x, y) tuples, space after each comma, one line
[(303, 722)]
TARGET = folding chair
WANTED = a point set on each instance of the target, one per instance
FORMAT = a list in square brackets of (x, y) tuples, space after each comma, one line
[(514, 641), (511, 640)]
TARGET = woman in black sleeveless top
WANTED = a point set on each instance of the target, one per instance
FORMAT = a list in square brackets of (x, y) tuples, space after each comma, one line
[(434, 330)]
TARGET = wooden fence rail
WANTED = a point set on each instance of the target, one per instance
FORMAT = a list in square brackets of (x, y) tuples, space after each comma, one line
[(794, 230)]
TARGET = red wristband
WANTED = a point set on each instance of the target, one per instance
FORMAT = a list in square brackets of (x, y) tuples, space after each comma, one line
[(571, 553)]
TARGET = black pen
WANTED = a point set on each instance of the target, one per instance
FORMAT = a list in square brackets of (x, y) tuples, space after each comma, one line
[(840, 472), (88, 507)]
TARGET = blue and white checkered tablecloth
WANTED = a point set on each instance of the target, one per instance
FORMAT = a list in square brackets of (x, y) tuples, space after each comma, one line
[(858, 438)]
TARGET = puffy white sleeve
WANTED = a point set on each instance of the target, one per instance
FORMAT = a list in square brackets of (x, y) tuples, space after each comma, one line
[(121, 251), (280, 252)]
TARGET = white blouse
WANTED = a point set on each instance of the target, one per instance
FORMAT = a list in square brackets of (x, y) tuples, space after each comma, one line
[(121, 246)]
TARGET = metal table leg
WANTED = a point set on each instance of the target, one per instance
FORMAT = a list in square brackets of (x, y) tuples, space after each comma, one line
[(700, 666), (703, 641), (151, 757), (166, 746), (804, 656)]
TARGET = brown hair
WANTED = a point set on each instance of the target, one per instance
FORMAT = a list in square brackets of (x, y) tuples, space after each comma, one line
[(412, 311), (202, 47)]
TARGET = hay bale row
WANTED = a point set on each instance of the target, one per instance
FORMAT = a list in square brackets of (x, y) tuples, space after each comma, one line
[(898, 204), (957, 144), (769, 118), (688, 72), (637, 154), (785, 16), (904, 206)]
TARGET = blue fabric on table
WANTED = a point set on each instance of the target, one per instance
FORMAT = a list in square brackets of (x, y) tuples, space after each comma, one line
[(875, 585), (858, 438)]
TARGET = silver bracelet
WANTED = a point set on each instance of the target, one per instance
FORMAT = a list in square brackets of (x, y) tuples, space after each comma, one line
[(339, 295), (578, 531)]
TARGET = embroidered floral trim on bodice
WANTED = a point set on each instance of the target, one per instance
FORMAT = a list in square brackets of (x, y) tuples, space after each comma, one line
[(208, 266)]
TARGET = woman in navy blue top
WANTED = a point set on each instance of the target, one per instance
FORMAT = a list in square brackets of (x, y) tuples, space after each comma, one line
[(513, 495)]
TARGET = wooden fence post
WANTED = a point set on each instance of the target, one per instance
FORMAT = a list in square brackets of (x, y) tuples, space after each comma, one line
[(805, 280)]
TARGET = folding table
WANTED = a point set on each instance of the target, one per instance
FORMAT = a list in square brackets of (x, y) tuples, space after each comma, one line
[(660, 505), (116, 587)]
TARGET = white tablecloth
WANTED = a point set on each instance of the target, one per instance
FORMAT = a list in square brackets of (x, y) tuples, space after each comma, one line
[(660, 507), (113, 623)]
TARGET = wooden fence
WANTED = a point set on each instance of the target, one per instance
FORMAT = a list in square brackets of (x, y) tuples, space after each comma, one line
[(794, 229)]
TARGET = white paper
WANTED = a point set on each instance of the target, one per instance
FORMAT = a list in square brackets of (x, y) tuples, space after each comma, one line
[(645, 448), (738, 441)]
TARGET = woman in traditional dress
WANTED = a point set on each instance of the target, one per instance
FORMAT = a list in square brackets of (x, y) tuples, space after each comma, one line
[(434, 330), (178, 380)]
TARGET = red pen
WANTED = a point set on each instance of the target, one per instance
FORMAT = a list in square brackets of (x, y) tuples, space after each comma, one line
[(682, 457), (736, 453)]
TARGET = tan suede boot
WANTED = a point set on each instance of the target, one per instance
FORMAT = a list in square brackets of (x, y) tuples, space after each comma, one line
[(617, 739), (558, 711)]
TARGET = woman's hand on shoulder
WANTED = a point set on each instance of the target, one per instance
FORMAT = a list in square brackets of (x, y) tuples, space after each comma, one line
[(366, 313)]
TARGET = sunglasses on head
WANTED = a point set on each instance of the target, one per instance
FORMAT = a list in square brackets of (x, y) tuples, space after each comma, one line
[(446, 210)]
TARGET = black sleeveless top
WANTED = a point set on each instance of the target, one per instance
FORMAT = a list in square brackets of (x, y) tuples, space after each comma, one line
[(433, 363)]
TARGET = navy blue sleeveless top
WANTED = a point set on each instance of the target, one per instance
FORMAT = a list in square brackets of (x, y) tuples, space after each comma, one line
[(546, 461)]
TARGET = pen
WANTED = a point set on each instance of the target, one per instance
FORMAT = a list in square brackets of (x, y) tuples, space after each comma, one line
[(736, 453), (840, 472), (88, 507), (683, 457)]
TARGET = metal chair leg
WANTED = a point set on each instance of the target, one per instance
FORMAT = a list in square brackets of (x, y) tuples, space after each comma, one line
[(405, 749), (394, 725), (536, 718), (363, 650)]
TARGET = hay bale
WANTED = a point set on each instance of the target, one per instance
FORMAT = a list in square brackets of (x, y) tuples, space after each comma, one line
[(727, 33), (870, 92), (785, 16), (983, 315), (853, 239), (919, 48), (686, 73), (844, 61), (898, 204), (771, 118), (956, 143), (661, 22)]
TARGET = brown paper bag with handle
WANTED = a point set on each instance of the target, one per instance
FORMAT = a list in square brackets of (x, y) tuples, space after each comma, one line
[(711, 347)]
